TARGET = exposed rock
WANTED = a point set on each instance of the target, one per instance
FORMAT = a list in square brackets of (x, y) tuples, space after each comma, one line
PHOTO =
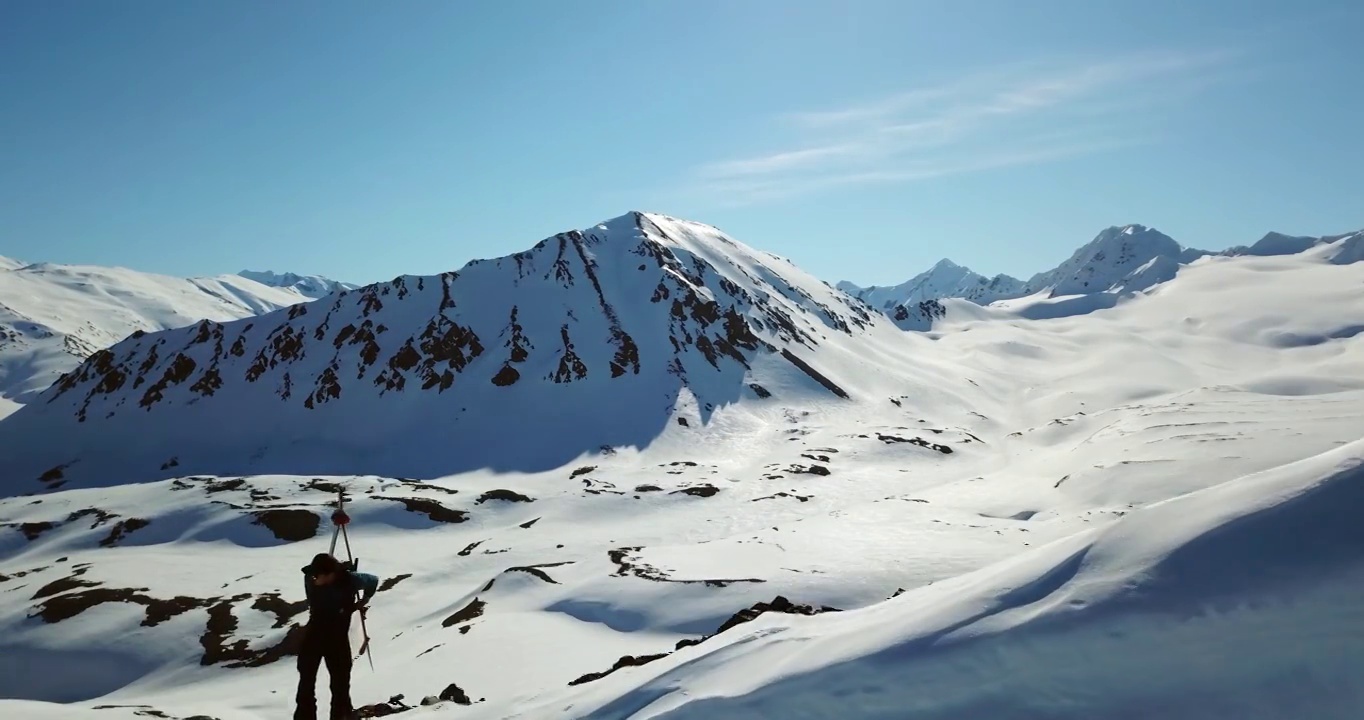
[(32, 530), (428, 486), (624, 566), (289, 524), (500, 494), (814, 374), (431, 509), (217, 486), (537, 572), (390, 583), (331, 488), (508, 375), (802, 498), (892, 439), (54, 474), (469, 612), (282, 610), (454, 694), (100, 516), (64, 607), (624, 662), (222, 623), (778, 605), (71, 582), (122, 528), (705, 490)]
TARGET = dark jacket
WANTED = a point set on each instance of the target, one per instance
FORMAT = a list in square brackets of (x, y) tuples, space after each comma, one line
[(330, 606)]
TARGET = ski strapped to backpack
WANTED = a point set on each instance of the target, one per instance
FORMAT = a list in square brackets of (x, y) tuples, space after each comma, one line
[(340, 519)]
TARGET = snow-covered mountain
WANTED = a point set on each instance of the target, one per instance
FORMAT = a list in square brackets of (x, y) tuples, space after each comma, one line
[(944, 280), (749, 497), (1126, 258), (1349, 247), (1119, 261), (312, 286), (52, 316), (531, 345)]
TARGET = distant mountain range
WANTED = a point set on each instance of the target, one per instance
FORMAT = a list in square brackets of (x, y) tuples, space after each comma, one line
[(313, 286), (1127, 258)]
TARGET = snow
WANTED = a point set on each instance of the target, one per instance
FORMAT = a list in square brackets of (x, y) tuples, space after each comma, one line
[(54, 316), (1149, 508)]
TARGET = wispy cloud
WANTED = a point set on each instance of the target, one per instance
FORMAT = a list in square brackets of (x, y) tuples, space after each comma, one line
[(1016, 115)]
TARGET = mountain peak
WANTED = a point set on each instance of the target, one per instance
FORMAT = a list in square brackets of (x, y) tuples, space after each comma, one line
[(1140, 233), (1102, 263), (945, 279)]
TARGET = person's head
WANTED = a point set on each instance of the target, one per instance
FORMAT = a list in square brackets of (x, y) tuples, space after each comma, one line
[(324, 568)]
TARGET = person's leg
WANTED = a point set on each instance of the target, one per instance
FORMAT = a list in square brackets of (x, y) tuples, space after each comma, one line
[(305, 701), (338, 670)]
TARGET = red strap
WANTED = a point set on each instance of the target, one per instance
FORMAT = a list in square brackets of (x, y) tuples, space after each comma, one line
[(340, 517)]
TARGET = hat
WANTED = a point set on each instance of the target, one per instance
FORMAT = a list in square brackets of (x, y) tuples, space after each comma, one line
[(323, 564)]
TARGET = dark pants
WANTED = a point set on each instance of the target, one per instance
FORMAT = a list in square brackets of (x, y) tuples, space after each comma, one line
[(331, 645)]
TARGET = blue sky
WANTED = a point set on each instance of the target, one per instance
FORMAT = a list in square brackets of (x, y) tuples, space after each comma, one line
[(863, 139)]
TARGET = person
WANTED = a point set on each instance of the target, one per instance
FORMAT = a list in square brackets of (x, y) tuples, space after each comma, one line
[(331, 587)]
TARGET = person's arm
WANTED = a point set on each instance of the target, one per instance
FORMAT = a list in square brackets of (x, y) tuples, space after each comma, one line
[(369, 584)]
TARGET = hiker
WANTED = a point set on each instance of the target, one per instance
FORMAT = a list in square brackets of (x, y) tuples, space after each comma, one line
[(331, 587)]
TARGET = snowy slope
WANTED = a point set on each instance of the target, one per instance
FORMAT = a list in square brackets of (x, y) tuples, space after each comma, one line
[(54, 316), (1200, 607), (312, 286), (1144, 511)]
